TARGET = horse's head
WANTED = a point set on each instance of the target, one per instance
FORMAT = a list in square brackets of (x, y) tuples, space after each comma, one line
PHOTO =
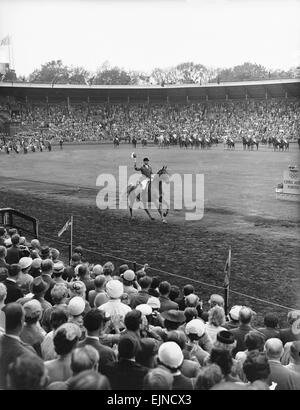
[(163, 174)]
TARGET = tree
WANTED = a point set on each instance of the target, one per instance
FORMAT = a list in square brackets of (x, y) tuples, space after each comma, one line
[(10, 75), (78, 75), (190, 73), (247, 71), (51, 72), (112, 76)]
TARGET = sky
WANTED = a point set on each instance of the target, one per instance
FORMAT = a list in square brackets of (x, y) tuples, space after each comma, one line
[(144, 34)]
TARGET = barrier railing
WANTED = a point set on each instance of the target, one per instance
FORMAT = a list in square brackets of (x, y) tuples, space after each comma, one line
[(102, 257)]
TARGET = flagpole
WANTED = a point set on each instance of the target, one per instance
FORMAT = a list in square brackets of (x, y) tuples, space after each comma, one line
[(226, 285), (71, 245)]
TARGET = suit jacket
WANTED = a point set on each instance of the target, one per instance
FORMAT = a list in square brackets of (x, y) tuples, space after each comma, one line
[(107, 355), (139, 298), (167, 304), (13, 291), (3, 272), (10, 348), (51, 283), (239, 334), (145, 170), (286, 379), (126, 375), (269, 332), (13, 255)]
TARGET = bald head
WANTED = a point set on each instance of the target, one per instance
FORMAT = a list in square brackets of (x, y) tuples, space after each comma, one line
[(274, 348)]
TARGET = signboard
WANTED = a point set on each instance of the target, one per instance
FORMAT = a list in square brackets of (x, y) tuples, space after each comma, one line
[(291, 182)]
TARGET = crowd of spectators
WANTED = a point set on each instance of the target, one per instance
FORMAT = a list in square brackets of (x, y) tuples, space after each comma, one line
[(81, 326), (78, 122)]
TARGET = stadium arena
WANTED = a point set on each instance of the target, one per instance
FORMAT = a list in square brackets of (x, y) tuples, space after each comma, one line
[(57, 139)]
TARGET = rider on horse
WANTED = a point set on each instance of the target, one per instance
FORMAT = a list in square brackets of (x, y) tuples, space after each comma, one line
[(146, 172)]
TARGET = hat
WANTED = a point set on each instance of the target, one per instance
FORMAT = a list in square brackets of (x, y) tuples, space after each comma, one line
[(176, 316), (146, 159), (225, 337), (100, 299), (195, 326), (234, 312), (77, 287), (114, 289), (33, 309), (145, 309), (25, 262), (45, 251), (128, 275), (58, 267), (154, 302), (38, 285), (170, 355), (76, 306)]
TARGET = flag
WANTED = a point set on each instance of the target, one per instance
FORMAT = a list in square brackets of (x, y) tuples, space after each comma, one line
[(64, 228), (227, 269), (5, 41)]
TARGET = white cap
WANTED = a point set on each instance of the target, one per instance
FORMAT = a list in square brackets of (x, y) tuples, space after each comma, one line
[(145, 309), (195, 326), (76, 306), (25, 262), (114, 289), (154, 302), (234, 312), (170, 355)]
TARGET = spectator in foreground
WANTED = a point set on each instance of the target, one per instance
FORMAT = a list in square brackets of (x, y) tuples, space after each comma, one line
[(11, 346), (13, 290), (288, 334), (216, 320), (170, 358), (158, 379), (256, 368), (126, 373), (89, 380), (27, 372), (271, 326), (286, 379), (239, 333), (65, 340), (58, 317), (208, 377)]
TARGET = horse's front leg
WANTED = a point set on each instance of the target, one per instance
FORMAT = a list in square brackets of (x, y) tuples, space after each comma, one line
[(148, 213)]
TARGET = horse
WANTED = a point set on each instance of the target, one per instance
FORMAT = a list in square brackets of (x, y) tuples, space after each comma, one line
[(150, 192), (163, 142), (254, 142), (116, 142), (299, 142), (144, 142), (282, 144), (230, 143)]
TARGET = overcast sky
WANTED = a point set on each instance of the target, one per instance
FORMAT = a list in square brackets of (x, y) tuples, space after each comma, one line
[(144, 34)]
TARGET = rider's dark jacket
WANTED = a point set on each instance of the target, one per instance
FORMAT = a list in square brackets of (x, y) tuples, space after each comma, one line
[(145, 170)]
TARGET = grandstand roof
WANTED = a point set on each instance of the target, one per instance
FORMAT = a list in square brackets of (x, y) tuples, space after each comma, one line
[(155, 93)]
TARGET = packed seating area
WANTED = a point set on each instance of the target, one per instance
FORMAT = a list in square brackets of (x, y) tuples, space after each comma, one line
[(81, 326), (77, 122)]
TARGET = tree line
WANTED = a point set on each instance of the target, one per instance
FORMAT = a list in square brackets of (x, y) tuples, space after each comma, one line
[(55, 72)]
